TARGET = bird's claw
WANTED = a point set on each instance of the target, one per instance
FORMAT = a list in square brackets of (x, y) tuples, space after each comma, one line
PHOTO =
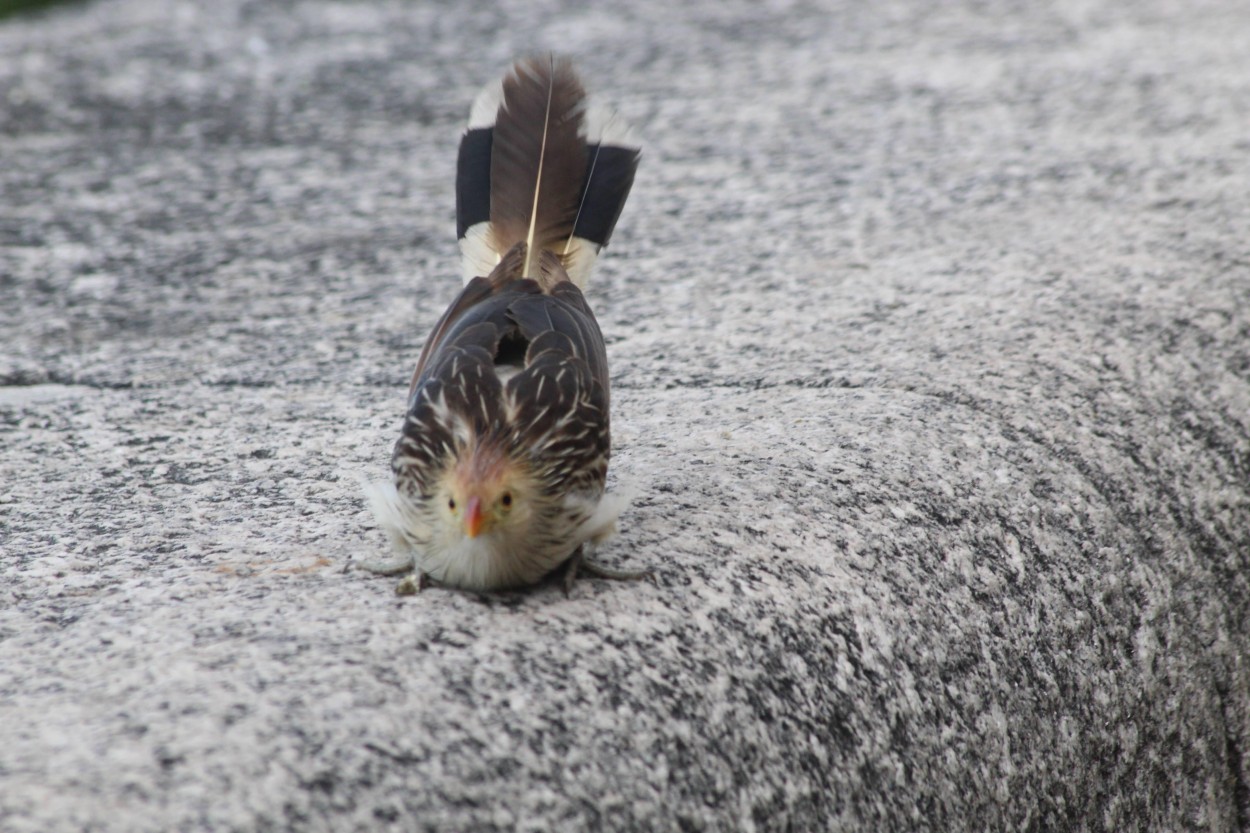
[(388, 568), (579, 562), (410, 585), (415, 583)]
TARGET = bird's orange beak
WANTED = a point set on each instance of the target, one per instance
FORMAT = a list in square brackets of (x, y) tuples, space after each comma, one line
[(473, 517)]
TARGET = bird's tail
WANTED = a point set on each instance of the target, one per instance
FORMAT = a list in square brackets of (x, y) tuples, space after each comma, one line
[(540, 167)]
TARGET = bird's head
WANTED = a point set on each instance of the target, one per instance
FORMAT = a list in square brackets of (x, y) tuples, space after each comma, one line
[(486, 492)]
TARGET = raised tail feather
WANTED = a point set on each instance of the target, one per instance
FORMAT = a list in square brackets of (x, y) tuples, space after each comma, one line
[(538, 166)]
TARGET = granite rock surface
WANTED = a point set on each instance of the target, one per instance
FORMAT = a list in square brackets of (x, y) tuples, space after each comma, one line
[(930, 336)]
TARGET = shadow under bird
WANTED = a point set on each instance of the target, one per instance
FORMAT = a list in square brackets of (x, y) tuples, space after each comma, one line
[(499, 476)]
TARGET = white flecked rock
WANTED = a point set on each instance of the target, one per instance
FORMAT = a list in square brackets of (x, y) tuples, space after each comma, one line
[(930, 336)]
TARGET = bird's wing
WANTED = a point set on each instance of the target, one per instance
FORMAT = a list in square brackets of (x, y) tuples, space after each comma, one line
[(559, 400)]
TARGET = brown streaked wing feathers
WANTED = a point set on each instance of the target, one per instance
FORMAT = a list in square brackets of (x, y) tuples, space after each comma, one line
[(538, 315), (561, 393), (562, 417)]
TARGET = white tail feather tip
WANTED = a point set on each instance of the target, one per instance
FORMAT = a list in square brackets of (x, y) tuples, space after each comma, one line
[(478, 257), (604, 125), (486, 106)]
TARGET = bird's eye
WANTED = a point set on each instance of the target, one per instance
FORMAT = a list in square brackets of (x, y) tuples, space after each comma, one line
[(451, 503), (506, 499)]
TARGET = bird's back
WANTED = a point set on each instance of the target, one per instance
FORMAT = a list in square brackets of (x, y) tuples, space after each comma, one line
[(525, 366)]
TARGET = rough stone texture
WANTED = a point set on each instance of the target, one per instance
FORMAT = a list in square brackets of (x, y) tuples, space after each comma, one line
[(930, 330)]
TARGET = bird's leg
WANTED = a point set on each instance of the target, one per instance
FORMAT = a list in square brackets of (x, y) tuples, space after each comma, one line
[(404, 564), (570, 571), (596, 570), (580, 561)]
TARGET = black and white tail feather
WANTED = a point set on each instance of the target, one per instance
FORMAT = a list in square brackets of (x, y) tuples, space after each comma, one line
[(507, 192), (540, 183)]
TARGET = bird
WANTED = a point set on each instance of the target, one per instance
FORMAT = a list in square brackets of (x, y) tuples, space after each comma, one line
[(499, 475)]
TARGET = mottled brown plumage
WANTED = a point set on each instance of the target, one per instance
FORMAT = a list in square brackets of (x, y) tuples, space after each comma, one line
[(500, 471)]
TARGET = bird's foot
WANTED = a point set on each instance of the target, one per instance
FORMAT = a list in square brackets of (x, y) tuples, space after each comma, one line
[(579, 562), (415, 583)]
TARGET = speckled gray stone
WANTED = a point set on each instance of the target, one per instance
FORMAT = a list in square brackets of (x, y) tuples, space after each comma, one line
[(930, 335)]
